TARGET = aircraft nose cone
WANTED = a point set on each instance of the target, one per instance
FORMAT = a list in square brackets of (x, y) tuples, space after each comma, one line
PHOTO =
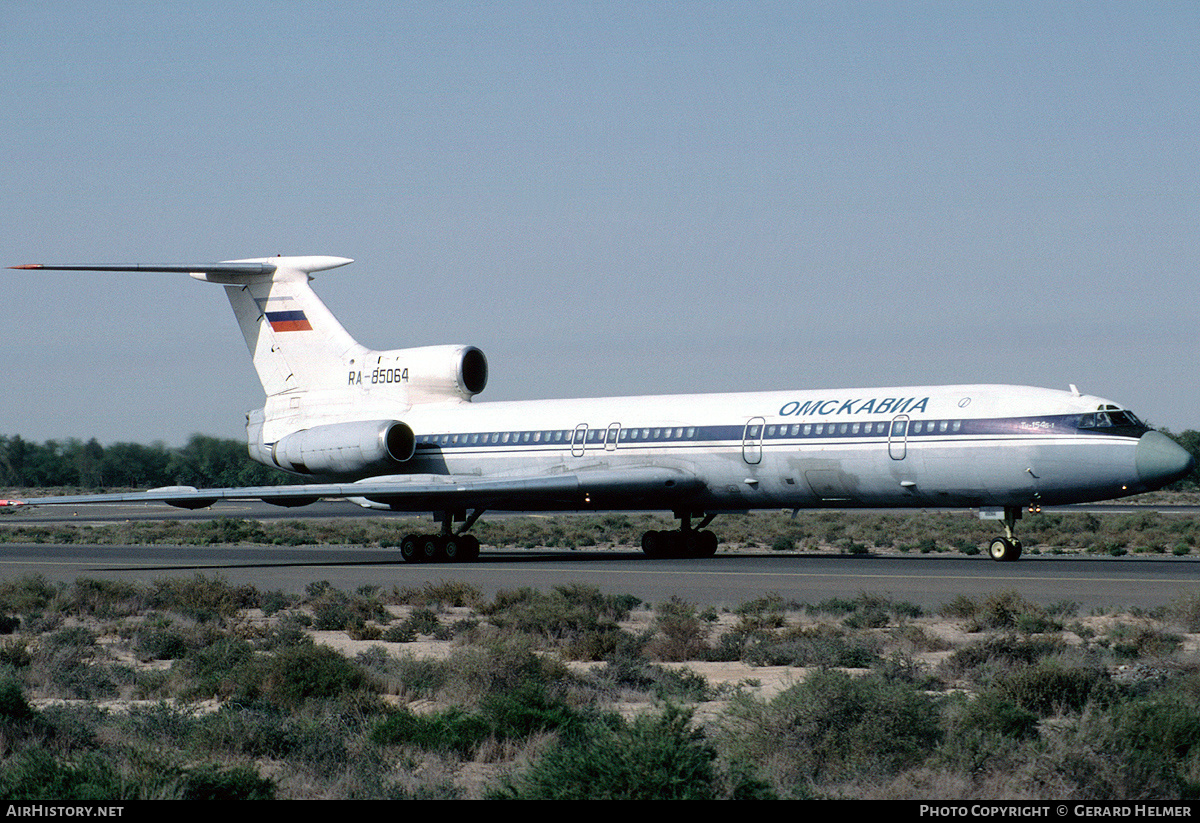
[(1160, 460)]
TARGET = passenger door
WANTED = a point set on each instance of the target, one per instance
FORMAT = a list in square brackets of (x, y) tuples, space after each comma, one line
[(898, 437), (752, 440)]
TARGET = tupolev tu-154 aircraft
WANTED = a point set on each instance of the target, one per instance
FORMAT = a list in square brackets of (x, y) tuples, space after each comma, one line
[(398, 430)]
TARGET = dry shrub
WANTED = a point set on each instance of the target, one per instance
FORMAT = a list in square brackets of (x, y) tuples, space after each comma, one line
[(679, 633)]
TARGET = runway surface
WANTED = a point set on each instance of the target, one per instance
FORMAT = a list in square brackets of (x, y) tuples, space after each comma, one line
[(927, 580)]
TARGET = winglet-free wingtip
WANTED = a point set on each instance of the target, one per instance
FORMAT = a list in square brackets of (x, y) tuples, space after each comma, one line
[(29, 266)]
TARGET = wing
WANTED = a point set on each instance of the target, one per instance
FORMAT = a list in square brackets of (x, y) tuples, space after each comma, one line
[(633, 488)]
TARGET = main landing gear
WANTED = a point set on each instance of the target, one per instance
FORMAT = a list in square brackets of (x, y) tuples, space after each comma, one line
[(439, 548), (1007, 548), (449, 547), (446, 547), (686, 542)]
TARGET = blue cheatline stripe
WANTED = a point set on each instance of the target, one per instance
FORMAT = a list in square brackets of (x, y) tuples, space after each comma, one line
[(632, 436)]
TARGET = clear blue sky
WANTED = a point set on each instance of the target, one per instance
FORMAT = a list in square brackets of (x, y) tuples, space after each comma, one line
[(607, 197)]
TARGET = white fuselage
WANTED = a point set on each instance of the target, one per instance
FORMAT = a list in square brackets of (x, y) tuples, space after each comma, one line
[(928, 446)]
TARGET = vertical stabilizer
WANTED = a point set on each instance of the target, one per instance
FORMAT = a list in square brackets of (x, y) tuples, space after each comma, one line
[(295, 341)]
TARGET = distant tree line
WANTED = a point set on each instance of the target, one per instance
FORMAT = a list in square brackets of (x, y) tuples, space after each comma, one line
[(206, 462), (203, 462)]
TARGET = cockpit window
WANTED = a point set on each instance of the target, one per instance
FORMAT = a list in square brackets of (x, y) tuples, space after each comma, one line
[(1112, 420)]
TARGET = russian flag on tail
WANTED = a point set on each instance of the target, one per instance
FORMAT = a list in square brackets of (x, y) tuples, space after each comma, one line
[(283, 314), (288, 321)]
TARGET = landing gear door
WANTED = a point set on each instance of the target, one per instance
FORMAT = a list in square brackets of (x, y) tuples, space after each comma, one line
[(898, 437), (752, 440)]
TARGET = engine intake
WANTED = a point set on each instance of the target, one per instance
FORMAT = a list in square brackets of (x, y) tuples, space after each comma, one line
[(345, 449)]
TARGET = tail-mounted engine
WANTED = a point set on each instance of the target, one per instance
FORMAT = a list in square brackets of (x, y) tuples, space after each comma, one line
[(345, 449), (439, 372)]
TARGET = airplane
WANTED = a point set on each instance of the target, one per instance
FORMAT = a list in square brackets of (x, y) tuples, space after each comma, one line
[(399, 430)]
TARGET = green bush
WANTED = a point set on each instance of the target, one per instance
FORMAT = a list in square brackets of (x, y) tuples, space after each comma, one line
[(765, 612), (566, 613), (238, 783), (36, 776), (1162, 732), (1144, 749), (423, 621), (978, 660), (161, 643), (629, 671), (301, 673), (474, 675), (1186, 610), (833, 727), (504, 716), (228, 668), (202, 598), (1009, 610), (13, 705), (71, 664), (993, 714), (813, 646), (275, 601), (984, 731), (867, 610), (318, 738), (451, 731), (654, 757), (420, 677), (439, 595), (532, 708), (679, 632), (160, 724), (1140, 641), (104, 598), (28, 595), (1048, 686)]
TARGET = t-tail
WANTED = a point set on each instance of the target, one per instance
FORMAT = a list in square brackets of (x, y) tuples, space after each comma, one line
[(333, 407)]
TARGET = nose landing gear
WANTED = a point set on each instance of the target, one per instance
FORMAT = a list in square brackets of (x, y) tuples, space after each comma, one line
[(1007, 548)]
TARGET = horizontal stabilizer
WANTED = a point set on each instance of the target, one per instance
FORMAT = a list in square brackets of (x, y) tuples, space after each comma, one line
[(252, 266), (182, 268)]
